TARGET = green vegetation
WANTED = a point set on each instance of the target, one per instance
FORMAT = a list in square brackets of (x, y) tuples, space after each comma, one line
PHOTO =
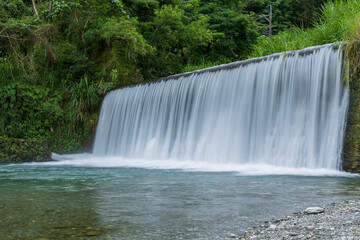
[(351, 154), (339, 21), (20, 150), (58, 59)]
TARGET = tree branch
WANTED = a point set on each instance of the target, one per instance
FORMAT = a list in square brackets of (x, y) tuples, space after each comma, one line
[(35, 10)]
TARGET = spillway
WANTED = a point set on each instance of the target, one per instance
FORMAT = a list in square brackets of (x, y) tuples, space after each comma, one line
[(285, 109)]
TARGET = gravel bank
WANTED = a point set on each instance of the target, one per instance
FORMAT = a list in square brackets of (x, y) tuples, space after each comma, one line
[(338, 221)]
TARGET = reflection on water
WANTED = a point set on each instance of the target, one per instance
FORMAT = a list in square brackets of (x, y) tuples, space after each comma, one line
[(68, 202)]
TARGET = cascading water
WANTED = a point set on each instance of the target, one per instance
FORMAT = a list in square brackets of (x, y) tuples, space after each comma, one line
[(284, 110)]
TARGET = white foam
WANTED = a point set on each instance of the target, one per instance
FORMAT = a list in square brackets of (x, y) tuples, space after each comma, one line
[(88, 160)]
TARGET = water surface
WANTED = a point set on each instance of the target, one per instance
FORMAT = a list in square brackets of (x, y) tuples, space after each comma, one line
[(63, 201)]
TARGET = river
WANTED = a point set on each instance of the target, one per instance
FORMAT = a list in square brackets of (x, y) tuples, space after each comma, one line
[(72, 199)]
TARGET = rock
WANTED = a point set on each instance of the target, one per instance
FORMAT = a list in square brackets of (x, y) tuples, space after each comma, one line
[(272, 227), (339, 221), (230, 235), (21, 150), (314, 210), (310, 228), (92, 233)]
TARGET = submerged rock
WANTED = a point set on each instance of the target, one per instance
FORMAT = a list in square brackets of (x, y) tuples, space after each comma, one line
[(314, 210), (93, 233)]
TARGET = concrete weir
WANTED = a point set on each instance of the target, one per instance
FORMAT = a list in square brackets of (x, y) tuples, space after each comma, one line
[(287, 110)]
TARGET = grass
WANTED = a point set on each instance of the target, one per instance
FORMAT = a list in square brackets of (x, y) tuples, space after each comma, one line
[(202, 65), (339, 21)]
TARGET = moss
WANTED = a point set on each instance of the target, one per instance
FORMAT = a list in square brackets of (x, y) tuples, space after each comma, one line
[(351, 151), (21, 150)]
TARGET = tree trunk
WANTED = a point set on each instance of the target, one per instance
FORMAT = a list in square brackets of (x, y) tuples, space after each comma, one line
[(35, 10)]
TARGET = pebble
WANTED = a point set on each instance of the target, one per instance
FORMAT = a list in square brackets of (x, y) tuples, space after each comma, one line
[(314, 210), (232, 235), (272, 227), (337, 221), (310, 228)]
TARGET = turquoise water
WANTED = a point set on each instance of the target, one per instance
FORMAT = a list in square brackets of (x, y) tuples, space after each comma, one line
[(44, 201)]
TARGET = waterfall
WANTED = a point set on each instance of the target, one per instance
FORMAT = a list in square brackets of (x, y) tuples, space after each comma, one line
[(284, 110)]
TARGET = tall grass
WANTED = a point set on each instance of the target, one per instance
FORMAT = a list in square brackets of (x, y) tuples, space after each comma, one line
[(339, 21), (203, 64), (291, 39)]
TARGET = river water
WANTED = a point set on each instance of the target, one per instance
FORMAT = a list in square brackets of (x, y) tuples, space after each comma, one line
[(198, 157), (73, 199)]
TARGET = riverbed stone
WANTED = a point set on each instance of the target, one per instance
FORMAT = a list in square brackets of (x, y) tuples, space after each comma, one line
[(310, 228), (93, 233), (314, 210), (272, 227), (339, 221)]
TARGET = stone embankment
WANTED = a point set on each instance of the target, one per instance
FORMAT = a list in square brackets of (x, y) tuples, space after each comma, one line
[(333, 221), (21, 150)]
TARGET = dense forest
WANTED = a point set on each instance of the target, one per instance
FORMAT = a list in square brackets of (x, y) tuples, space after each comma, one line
[(58, 59)]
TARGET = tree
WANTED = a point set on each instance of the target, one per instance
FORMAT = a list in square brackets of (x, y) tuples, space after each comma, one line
[(239, 30), (286, 13), (177, 39)]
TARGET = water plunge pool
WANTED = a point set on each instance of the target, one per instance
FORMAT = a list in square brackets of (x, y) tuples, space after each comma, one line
[(64, 201)]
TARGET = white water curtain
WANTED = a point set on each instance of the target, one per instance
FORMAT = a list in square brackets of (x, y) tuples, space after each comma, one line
[(284, 110)]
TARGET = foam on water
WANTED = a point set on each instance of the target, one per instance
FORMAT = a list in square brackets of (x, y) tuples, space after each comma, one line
[(89, 160)]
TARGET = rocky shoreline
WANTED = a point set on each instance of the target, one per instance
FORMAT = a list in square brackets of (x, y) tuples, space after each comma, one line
[(15, 150), (332, 221)]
